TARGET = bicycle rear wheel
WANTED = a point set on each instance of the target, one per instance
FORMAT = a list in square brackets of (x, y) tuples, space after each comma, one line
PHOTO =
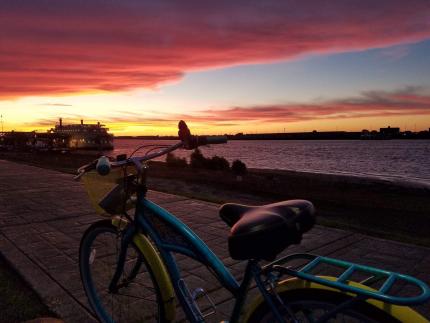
[(138, 298), (310, 305)]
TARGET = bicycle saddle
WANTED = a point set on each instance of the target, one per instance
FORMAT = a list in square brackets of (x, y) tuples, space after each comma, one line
[(262, 232)]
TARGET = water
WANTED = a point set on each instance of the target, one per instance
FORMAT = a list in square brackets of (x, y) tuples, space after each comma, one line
[(389, 159)]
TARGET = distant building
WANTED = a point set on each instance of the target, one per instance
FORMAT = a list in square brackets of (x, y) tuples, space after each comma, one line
[(365, 134), (407, 134), (389, 132)]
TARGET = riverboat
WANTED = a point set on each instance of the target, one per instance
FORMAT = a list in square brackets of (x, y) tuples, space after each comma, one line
[(84, 135), (61, 137)]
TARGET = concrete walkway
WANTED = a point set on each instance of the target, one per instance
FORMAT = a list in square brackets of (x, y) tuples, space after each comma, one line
[(44, 213)]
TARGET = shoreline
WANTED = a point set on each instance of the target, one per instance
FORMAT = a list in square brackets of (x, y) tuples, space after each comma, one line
[(71, 161), (385, 208), (415, 182)]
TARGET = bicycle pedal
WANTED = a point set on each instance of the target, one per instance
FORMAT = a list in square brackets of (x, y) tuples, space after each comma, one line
[(199, 293)]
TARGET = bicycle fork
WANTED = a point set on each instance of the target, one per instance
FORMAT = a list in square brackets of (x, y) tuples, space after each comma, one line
[(125, 241)]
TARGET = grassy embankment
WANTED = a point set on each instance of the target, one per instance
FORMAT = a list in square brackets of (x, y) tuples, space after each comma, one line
[(18, 302)]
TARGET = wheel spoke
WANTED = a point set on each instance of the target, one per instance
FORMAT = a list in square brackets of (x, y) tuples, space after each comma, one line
[(309, 315), (311, 306)]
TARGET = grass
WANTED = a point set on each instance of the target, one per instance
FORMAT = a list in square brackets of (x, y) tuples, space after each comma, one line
[(327, 217), (18, 302)]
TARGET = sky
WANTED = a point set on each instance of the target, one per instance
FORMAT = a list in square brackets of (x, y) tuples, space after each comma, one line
[(223, 66)]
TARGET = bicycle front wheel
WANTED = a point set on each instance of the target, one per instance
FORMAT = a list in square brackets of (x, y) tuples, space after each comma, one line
[(311, 305), (138, 297)]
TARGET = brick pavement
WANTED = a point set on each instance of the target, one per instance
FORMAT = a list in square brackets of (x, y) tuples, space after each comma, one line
[(44, 214)]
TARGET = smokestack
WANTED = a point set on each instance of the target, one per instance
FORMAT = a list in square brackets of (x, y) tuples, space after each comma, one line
[(61, 122), (82, 121)]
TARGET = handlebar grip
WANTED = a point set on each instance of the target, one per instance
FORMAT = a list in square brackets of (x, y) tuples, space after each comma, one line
[(213, 140), (87, 167), (103, 166)]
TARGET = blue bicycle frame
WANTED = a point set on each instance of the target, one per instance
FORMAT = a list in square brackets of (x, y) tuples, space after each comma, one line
[(194, 248)]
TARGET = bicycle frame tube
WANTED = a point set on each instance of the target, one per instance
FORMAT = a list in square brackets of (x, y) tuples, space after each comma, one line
[(198, 251)]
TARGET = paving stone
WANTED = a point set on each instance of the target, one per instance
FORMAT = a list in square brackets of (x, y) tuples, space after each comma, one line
[(44, 214)]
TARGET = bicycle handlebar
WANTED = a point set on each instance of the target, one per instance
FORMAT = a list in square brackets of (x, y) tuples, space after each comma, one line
[(191, 142), (103, 165), (212, 140)]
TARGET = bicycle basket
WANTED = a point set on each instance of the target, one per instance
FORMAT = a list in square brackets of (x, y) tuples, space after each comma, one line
[(110, 194)]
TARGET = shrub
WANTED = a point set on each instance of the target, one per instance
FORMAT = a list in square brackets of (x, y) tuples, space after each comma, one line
[(174, 161), (218, 163), (239, 168), (197, 160)]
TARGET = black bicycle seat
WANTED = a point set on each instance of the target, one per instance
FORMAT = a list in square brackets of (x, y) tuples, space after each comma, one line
[(262, 232)]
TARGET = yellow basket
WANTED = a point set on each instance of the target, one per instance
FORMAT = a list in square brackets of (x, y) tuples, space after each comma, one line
[(108, 193)]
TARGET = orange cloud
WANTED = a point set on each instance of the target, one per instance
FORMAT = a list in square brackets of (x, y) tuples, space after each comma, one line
[(56, 47), (405, 102)]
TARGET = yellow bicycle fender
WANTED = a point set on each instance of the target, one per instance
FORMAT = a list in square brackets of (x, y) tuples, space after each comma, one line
[(160, 273), (402, 313)]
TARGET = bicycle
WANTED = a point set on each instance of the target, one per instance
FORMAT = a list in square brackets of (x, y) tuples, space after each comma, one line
[(140, 275)]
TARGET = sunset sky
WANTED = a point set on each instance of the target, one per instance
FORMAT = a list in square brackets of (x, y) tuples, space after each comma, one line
[(223, 66)]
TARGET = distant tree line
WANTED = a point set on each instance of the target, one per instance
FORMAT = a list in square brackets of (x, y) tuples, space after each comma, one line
[(197, 160)]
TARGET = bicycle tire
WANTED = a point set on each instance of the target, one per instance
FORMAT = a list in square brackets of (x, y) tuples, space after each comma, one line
[(306, 303), (98, 254)]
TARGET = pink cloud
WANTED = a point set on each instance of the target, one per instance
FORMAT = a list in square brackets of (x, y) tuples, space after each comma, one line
[(409, 101), (56, 47)]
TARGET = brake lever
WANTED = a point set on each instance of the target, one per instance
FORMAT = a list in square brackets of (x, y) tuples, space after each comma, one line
[(78, 177), (83, 169)]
